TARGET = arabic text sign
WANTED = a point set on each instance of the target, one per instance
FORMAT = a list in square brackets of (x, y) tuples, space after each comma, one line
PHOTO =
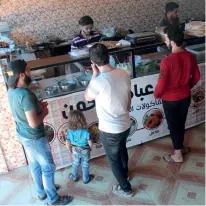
[(147, 116)]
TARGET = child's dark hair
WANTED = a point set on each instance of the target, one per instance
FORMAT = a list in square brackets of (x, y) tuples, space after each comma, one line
[(77, 120), (175, 34), (86, 20)]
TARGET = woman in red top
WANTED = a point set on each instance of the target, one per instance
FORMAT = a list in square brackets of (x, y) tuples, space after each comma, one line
[(179, 72)]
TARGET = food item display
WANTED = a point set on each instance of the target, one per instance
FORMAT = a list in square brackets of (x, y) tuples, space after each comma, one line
[(4, 44), (195, 28), (153, 119), (151, 66), (49, 132), (63, 129), (94, 132), (133, 125), (198, 97), (109, 44)]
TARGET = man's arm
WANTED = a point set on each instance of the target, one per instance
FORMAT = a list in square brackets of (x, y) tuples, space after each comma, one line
[(29, 105), (91, 92), (35, 120), (129, 101), (195, 74), (161, 81), (87, 95)]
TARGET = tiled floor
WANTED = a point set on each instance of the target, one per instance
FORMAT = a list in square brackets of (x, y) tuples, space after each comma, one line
[(155, 182)]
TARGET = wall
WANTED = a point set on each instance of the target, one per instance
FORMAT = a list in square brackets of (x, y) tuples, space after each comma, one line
[(11, 152), (34, 20)]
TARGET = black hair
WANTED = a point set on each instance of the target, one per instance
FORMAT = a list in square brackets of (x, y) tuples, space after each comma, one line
[(175, 34), (99, 54), (171, 6), (86, 20)]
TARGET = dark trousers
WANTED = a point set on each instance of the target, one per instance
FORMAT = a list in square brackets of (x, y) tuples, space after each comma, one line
[(176, 114), (116, 152)]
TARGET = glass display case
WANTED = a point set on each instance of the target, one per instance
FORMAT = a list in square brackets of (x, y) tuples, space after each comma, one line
[(59, 77)]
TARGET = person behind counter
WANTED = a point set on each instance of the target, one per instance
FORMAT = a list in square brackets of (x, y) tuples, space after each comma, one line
[(29, 115), (86, 36), (171, 15), (111, 89), (179, 72), (78, 142)]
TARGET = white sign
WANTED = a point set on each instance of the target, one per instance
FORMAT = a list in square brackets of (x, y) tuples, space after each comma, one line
[(147, 116)]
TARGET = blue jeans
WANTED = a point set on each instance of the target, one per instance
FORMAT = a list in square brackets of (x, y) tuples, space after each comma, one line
[(42, 166), (80, 157)]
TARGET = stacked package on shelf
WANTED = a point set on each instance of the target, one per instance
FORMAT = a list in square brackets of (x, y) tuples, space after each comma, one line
[(6, 45), (195, 28)]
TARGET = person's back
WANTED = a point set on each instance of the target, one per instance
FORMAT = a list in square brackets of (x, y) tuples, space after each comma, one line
[(179, 68), (112, 100), (111, 89), (78, 137), (179, 73)]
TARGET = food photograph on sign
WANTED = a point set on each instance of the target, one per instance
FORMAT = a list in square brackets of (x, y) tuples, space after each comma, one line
[(133, 126), (63, 129), (94, 132), (49, 132), (198, 97), (153, 119)]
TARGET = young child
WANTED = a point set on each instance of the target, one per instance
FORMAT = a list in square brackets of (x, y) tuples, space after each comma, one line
[(79, 143)]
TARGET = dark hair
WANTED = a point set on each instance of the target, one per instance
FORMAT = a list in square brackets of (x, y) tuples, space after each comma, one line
[(171, 6), (77, 120), (99, 54), (86, 20), (175, 34)]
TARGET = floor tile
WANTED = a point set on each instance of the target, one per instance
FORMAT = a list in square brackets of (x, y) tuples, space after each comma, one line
[(154, 181)]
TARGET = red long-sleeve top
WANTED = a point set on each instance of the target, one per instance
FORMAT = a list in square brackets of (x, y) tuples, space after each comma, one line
[(179, 72)]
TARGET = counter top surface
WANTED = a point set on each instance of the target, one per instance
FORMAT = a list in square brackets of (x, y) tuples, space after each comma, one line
[(67, 58)]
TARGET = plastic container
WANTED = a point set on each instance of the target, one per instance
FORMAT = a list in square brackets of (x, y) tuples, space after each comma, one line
[(198, 50), (4, 30)]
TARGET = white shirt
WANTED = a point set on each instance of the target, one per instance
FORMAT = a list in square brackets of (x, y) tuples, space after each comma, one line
[(111, 91)]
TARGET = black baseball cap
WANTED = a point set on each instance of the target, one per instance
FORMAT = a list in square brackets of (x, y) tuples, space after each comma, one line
[(15, 68), (171, 6)]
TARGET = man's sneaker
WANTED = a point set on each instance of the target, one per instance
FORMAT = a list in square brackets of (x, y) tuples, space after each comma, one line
[(117, 184), (122, 193), (116, 189)]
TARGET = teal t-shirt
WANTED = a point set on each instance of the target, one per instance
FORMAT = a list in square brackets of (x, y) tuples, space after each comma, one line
[(78, 137), (22, 100)]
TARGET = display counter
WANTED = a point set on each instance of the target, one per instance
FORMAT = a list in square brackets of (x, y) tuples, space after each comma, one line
[(142, 65)]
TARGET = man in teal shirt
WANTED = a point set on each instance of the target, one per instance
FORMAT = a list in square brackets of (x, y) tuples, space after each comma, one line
[(29, 115)]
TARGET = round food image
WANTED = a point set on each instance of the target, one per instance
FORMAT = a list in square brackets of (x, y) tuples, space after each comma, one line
[(49, 132), (62, 129), (133, 126), (198, 97), (153, 119), (94, 132)]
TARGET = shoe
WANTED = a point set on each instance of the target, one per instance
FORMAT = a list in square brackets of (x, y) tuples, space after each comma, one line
[(91, 177), (121, 192), (70, 177), (117, 184), (45, 196), (63, 200)]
